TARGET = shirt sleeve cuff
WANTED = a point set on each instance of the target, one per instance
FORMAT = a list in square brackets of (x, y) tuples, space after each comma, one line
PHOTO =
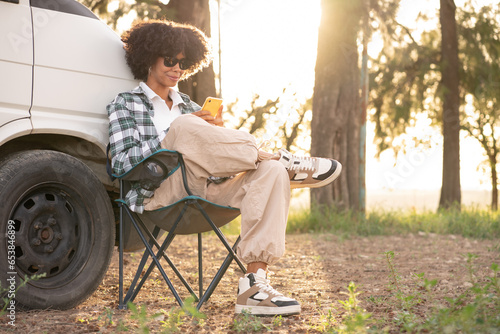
[(162, 135)]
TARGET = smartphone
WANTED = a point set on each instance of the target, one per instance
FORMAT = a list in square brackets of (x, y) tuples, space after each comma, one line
[(212, 104)]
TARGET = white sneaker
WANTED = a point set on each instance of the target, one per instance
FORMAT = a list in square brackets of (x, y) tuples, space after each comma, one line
[(257, 297), (309, 172)]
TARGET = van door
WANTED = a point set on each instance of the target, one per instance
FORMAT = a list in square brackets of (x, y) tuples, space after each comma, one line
[(16, 60)]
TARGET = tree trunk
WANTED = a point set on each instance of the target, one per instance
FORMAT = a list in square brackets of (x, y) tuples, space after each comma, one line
[(494, 181), (196, 13), (450, 190), (336, 123)]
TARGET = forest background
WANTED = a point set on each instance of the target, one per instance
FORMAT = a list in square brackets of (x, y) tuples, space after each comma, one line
[(266, 54)]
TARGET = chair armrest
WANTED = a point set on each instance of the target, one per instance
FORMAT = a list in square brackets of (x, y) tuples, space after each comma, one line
[(151, 171)]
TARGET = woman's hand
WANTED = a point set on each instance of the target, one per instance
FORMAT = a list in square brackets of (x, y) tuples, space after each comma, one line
[(207, 116)]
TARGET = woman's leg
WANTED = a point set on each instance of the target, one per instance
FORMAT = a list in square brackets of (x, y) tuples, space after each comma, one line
[(211, 150), (263, 197), (207, 150)]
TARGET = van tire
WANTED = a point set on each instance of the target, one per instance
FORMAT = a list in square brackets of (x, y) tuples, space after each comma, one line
[(57, 219)]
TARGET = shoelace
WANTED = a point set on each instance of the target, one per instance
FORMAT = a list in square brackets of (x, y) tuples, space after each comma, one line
[(305, 163), (263, 284)]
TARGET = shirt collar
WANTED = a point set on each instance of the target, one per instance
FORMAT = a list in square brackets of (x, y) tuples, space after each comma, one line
[(148, 91), (174, 95)]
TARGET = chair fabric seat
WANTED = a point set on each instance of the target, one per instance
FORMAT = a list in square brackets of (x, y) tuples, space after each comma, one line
[(193, 219)]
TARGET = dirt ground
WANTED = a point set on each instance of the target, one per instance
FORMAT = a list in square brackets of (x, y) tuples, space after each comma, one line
[(315, 270)]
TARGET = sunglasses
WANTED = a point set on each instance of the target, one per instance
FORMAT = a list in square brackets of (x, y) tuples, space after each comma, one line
[(184, 64)]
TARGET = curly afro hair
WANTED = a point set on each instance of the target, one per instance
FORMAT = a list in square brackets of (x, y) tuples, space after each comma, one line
[(148, 40)]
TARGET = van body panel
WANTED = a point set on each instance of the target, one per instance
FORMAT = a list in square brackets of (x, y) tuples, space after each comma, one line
[(80, 110), (16, 61), (73, 85)]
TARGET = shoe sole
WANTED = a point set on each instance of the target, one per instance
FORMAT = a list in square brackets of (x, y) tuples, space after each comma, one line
[(319, 184), (268, 311)]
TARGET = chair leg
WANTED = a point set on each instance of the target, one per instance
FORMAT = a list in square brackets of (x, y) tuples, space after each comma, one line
[(215, 229), (217, 278), (232, 255), (154, 257), (161, 253), (200, 265), (133, 289), (237, 259), (121, 305)]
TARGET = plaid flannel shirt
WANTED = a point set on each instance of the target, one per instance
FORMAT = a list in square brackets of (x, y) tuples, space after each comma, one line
[(133, 137)]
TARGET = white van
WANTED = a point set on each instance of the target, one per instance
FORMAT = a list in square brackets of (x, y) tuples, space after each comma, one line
[(59, 68)]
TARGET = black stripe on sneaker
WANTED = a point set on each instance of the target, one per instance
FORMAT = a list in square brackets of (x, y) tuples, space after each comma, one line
[(326, 175), (253, 297), (283, 303)]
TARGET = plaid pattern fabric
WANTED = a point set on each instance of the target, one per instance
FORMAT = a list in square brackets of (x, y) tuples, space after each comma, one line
[(133, 137)]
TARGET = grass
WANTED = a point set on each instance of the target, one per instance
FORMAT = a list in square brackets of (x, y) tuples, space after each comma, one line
[(473, 311), (8, 293), (468, 222)]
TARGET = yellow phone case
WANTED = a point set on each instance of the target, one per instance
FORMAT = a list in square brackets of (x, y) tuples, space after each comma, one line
[(212, 104)]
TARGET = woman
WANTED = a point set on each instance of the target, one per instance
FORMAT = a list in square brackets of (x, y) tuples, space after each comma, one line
[(155, 116)]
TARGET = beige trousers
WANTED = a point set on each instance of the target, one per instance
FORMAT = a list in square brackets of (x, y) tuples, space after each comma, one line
[(261, 190)]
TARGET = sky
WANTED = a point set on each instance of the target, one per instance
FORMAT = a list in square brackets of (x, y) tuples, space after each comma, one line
[(269, 45)]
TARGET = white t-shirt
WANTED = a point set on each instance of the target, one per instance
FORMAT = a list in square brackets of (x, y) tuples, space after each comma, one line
[(163, 115)]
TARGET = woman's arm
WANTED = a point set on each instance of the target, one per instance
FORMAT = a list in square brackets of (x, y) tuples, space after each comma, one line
[(127, 145)]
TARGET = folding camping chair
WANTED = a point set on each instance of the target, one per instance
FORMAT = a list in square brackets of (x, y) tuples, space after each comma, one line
[(190, 215)]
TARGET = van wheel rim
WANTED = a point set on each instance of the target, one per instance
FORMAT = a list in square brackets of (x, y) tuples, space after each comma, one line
[(48, 235)]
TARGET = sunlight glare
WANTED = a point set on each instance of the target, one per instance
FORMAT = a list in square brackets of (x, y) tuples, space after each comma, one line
[(487, 131), (113, 5), (269, 45), (469, 107), (375, 45)]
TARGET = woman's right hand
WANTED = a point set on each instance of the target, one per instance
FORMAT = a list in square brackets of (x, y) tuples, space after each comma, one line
[(207, 116)]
